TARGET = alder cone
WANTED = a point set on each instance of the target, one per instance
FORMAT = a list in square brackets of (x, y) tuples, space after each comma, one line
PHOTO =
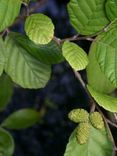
[(83, 132), (78, 115), (96, 120)]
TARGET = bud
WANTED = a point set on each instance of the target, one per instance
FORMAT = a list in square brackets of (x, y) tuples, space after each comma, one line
[(96, 120), (83, 132), (78, 115)]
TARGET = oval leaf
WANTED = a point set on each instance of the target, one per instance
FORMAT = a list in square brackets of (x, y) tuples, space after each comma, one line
[(23, 68), (111, 9), (96, 78), (106, 52), (48, 54), (21, 119), (97, 145), (6, 143), (75, 55), (6, 91), (9, 10), (39, 28), (107, 102), (87, 16)]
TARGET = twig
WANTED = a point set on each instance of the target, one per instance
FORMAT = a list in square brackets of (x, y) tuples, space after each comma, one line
[(93, 107), (91, 100), (39, 4), (32, 9), (78, 76), (111, 123), (109, 131), (115, 149), (4, 32), (57, 40), (115, 115), (77, 37), (27, 10)]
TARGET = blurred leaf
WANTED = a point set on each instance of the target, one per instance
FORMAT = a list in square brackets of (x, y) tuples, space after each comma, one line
[(97, 145), (6, 143), (75, 55), (50, 104), (87, 16), (48, 54), (96, 78), (39, 28), (2, 58), (9, 10), (6, 91), (23, 68), (107, 102), (111, 9), (21, 119)]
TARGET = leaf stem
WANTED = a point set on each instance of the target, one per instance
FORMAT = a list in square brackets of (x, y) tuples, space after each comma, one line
[(115, 115), (31, 9), (111, 123), (77, 38)]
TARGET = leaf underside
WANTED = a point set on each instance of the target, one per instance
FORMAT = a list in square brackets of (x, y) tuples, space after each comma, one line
[(107, 102), (23, 68), (48, 54)]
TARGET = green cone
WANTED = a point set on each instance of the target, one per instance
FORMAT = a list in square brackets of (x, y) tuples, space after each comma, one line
[(78, 115), (83, 132), (96, 120)]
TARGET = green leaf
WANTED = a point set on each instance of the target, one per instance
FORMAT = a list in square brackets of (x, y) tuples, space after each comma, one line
[(21, 119), (96, 78), (87, 16), (9, 10), (6, 143), (111, 9), (23, 68), (2, 58), (26, 1), (6, 91), (97, 145), (106, 52), (75, 55), (39, 28), (107, 102), (48, 54)]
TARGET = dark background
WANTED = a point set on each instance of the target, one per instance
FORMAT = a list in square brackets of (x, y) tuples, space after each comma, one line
[(62, 93)]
